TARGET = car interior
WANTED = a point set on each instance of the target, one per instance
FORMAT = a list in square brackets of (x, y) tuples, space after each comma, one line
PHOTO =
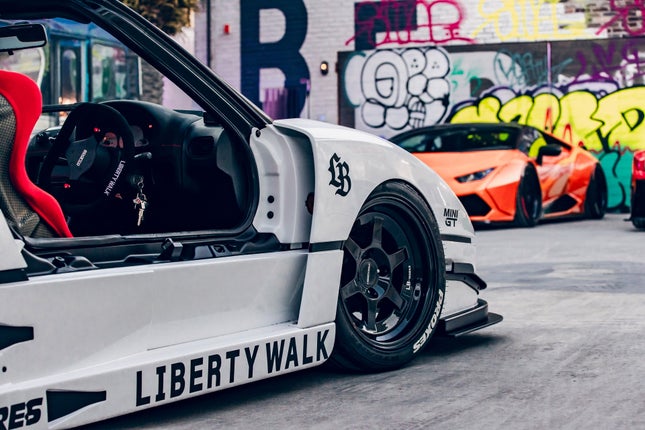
[(114, 182), (190, 172)]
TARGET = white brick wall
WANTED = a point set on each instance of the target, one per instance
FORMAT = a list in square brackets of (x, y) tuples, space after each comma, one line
[(226, 47), (331, 23)]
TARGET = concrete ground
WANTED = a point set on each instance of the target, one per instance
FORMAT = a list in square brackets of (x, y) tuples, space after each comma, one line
[(568, 355)]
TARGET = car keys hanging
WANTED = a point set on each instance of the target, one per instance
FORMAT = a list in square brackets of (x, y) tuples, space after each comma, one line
[(140, 203)]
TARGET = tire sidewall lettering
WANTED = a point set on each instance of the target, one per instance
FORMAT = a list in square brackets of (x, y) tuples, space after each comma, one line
[(427, 334)]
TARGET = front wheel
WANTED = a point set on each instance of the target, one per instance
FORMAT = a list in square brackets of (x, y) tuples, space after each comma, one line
[(528, 207), (392, 282), (596, 197)]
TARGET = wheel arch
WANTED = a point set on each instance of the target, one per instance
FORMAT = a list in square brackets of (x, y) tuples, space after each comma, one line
[(349, 166), (324, 265)]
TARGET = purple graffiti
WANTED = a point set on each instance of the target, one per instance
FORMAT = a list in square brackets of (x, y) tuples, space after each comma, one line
[(610, 61), (407, 21), (623, 11)]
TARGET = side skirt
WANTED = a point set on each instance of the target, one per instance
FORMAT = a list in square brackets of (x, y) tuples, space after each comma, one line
[(468, 321)]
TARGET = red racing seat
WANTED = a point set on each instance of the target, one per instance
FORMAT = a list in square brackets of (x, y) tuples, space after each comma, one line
[(29, 209)]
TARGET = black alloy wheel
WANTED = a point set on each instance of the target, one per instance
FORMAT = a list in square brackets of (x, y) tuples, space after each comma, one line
[(392, 282), (528, 208), (596, 197)]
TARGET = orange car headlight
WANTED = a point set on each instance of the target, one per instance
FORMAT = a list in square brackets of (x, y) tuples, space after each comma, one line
[(476, 176)]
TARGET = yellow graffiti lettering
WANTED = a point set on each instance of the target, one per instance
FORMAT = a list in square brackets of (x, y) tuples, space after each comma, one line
[(545, 112), (516, 110), (577, 117), (577, 122), (528, 20), (484, 111), (501, 16), (623, 114), (535, 20)]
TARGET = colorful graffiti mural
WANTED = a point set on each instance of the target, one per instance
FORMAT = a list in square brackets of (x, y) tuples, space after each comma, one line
[(585, 92), (554, 64), (392, 23)]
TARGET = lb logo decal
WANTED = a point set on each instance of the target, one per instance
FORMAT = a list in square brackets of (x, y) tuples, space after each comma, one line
[(339, 175)]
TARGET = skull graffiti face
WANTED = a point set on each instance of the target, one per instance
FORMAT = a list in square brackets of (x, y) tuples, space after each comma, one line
[(403, 88)]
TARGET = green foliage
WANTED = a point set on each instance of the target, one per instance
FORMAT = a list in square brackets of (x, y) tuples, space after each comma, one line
[(169, 15)]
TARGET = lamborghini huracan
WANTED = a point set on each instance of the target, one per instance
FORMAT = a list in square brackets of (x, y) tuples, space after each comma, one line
[(511, 173)]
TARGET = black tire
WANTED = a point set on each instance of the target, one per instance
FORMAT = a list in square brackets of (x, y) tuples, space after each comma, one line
[(392, 283), (596, 196), (639, 223), (528, 207)]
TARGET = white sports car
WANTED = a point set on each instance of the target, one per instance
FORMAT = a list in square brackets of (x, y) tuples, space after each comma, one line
[(150, 254)]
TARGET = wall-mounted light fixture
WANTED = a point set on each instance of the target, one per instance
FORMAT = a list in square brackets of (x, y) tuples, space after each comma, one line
[(324, 68)]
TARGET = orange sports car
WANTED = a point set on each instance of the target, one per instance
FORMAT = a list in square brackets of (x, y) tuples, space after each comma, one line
[(510, 172)]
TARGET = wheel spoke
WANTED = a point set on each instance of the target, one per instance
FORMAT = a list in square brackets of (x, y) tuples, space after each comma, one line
[(353, 248), (377, 232), (349, 289), (393, 295), (370, 318), (397, 258)]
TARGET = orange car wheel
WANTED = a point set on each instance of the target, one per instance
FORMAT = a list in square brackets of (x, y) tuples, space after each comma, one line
[(596, 197), (529, 199)]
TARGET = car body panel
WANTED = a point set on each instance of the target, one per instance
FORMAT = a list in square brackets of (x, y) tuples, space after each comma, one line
[(498, 189), (153, 307), (156, 377)]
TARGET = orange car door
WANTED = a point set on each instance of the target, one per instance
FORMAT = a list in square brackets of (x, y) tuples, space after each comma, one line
[(553, 170)]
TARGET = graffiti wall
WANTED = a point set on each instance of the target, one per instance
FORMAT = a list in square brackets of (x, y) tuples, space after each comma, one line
[(586, 92), (573, 67)]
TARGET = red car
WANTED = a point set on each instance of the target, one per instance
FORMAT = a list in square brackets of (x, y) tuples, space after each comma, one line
[(638, 190)]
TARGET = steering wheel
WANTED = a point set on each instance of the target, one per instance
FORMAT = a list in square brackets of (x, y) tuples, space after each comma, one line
[(96, 144)]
